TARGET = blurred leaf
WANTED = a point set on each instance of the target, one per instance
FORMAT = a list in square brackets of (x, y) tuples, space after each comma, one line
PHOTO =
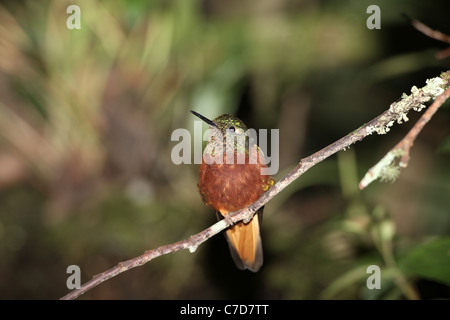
[(445, 145), (430, 260), (348, 279)]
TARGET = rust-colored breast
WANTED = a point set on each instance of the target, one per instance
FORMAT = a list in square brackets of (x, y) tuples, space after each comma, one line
[(230, 187)]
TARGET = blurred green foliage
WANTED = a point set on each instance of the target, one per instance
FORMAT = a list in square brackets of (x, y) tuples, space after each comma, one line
[(86, 118)]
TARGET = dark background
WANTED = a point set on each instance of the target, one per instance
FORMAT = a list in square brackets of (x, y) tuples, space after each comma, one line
[(86, 118)]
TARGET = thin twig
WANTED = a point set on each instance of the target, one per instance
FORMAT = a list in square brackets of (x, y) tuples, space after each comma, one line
[(407, 142), (380, 125), (434, 34)]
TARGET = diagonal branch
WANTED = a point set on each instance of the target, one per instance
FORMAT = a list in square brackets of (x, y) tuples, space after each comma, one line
[(380, 125), (386, 168)]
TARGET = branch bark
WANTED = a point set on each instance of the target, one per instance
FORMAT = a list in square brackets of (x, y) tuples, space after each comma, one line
[(396, 112), (386, 169)]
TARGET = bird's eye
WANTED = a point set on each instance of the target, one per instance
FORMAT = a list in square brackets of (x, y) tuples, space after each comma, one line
[(232, 129)]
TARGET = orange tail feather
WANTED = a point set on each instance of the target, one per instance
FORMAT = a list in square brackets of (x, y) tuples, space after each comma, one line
[(245, 244)]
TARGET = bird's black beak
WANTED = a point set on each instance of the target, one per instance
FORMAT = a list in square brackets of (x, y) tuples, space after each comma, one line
[(203, 118)]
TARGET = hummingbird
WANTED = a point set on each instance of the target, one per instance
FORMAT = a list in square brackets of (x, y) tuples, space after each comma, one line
[(227, 187)]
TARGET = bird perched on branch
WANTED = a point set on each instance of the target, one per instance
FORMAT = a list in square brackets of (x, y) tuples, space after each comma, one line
[(230, 179)]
